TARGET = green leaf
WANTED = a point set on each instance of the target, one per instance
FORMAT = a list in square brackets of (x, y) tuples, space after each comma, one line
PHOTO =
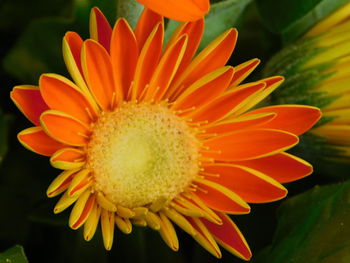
[(14, 14), (291, 18), (130, 10), (13, 255), (171, 26), (222, 16), (4, 131), (38, 50), (43, 213), (312, 227)]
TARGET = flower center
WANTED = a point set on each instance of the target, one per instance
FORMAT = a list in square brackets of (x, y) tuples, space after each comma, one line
[(142, 153)]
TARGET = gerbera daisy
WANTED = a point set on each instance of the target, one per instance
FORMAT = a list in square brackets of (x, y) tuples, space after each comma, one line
[(155, 137), (182, 10), (317, 71)]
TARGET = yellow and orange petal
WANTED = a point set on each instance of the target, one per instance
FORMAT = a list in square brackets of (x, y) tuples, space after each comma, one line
[(155, 136), (182, 10)]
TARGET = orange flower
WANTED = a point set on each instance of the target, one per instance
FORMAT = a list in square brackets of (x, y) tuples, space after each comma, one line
[(182, 10), (153, 136)]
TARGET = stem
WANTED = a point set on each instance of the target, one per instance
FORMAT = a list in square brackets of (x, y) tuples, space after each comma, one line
[(130, 10)]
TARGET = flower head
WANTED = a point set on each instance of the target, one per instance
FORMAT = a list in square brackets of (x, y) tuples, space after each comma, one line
[(182, 10), (317, 72), (155, 136)]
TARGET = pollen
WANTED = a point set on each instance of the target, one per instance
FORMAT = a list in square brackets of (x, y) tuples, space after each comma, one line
[(142, 153)]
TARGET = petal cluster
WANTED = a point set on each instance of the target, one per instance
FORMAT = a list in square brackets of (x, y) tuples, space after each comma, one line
[(243, 158)]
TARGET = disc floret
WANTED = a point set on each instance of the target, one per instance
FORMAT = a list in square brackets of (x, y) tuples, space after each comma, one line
[(140, 153)]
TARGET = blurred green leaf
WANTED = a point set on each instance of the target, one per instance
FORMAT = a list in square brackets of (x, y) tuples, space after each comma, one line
[(170, 28), (222, 16), (4, 130), (313, 227), (291, 18), (43, 213), (254, 40), (38, 50), (15, 14), (130, 10), (13, 255)]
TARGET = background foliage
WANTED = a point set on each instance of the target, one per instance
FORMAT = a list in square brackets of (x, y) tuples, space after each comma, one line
[(311, 225)]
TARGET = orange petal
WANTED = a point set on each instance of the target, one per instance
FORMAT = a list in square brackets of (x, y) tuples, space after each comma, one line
[(296, 119), (282, 167), (98, 73), (214, 56), (241, 122), (60, 183), (179, 220), (205, 210), (205, 89), (226, 104), (80, 182), (62, 94), (229, 236), (71, 47), (100, 29), (167, 232), (107, 226), (187, 208), (166, 69), (194, 31), (249, 144), (272, 83), (220, 198), (182, 10), (148, 60), (91, 223), (204, 237), (83, 210), (29, 101), (124, 54), (64, 202), (65, 128), (242, 71), (36, 140), (147, 22), (68, 158), (251, 185), (72, 44)]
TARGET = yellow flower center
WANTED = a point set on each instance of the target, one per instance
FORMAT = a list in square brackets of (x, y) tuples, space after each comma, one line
[(142, 153)]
